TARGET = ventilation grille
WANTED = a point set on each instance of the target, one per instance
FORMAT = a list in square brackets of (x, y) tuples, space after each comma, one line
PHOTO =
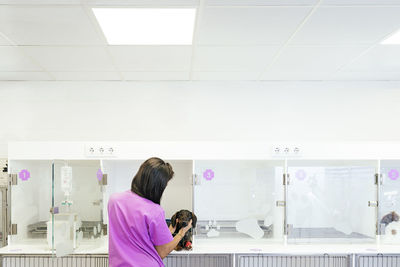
[(199, 260), (378, 261), (293, 261), (48, 261)]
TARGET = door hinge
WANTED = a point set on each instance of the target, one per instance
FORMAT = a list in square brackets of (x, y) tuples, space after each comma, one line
[(196, 179), (288, 229), (378, 178), (104, 180), (286, 179), (373, 204), (13, 178), (13, 229), (280, 203)]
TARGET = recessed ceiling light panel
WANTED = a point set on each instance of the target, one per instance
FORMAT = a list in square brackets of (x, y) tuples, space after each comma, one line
[(393, 39), (147, 26)]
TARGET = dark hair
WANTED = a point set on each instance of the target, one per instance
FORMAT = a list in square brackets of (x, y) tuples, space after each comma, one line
[(151, 179)]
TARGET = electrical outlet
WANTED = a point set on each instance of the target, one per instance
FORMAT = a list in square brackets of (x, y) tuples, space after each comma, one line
[(100, 151), (286, 151)]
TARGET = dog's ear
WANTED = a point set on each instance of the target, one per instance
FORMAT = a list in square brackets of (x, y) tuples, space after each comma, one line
[(173, 219), (194, 220)]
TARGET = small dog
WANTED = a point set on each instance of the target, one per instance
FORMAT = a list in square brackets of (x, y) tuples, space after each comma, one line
[(391, 217), (184, 217)]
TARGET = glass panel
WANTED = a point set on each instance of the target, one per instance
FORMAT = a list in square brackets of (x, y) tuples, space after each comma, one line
[(237, 199), (177, 195), (3, 198), (31, 202), (1, 218), (78, 207), (328, 201), (389, 208)]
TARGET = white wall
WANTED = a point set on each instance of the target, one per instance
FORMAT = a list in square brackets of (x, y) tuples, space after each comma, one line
[(183, 111)]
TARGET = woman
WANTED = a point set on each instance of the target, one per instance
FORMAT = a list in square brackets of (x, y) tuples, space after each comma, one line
[(138, 233)]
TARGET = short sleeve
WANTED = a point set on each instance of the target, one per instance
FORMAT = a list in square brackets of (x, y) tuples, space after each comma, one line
[(158, 230)]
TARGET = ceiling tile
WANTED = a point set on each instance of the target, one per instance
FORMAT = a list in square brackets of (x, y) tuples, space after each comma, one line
[(24, 76), (152, 58), (233, 58), (260, 2), (361, 2), (296, 76), (158, 3), (12, 59), (348, 25), (366, 76), (146, 3), (318, 59), (225, 76), (86, 76), (40, 2), (249, 26), (71, 58), (156, 76), (40, 25), (380, 59)]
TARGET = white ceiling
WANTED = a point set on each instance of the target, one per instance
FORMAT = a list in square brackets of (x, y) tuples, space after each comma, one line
[(233, 40)]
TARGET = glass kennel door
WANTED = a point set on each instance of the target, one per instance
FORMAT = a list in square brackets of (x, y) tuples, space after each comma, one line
[(30, 202), (237, 199), (76, 221), (389, 203), (331, 201), (177, 195), (4, 199)]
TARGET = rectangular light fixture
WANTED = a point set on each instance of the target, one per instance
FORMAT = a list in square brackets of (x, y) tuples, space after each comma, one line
[(393, 39), (147, 26)]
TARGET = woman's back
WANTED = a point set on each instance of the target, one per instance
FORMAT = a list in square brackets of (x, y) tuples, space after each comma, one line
[(136, 225)]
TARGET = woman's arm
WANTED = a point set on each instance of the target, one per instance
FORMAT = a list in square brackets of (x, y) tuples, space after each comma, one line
[(164, 250), (173, 228)]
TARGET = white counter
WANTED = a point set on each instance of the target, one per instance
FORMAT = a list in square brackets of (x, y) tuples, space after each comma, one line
[(234, 246), (41, 247), (221, 246)]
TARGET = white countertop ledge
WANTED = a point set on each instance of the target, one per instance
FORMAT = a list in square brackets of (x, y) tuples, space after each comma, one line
[(222, 246)]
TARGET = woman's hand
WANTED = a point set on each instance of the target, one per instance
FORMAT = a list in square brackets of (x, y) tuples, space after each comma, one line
[(183, 231), (172, 228), (164, 250)]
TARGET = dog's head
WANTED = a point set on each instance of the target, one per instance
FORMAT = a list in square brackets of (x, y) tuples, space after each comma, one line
[(180, 220)]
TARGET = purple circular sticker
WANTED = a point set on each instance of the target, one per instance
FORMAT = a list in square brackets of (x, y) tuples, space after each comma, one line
[(208, 174), (393, 174), (301, 175), (24, 175), (99, 175)]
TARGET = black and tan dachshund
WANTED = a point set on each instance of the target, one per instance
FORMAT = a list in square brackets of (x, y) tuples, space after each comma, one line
[(181, 219)]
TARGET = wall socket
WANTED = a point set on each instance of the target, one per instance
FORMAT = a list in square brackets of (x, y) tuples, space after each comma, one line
[(100, 150), (286, 150)]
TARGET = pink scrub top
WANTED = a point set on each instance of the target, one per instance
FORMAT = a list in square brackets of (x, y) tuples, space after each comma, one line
[(136, 225)]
